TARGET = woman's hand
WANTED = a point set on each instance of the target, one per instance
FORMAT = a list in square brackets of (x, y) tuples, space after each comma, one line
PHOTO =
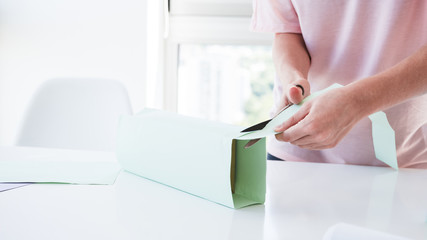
[(321, 122), (296, 91)]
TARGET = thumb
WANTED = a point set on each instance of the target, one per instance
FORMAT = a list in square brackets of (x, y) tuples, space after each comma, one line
[(298, 90)]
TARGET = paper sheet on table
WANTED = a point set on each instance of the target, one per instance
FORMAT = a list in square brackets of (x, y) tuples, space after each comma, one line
[(57, 166), (193, 155), (382, 133), (9, 186)]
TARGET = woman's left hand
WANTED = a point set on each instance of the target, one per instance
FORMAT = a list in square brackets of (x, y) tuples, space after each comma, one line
[(322, 122)]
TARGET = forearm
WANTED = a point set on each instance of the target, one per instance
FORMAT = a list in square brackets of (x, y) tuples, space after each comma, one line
[(290, 57), (405, 80)]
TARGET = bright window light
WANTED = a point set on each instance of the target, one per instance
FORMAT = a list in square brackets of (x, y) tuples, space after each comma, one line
[(227, 83)]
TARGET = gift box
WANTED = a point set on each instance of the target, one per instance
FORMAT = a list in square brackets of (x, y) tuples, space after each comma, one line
[(203, 158)]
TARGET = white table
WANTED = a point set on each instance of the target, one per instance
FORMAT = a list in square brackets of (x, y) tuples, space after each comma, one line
[(303, 201)]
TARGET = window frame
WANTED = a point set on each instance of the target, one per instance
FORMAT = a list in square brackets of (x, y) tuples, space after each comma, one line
[(224, 30), (234, 8)]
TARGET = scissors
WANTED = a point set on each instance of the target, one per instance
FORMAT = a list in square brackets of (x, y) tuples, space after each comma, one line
[(260, 126)]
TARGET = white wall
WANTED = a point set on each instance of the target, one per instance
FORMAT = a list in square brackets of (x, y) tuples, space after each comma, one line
[(46, 39)]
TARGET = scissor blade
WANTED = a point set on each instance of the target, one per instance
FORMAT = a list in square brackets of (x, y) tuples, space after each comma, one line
[(261, 125), (256, 127)]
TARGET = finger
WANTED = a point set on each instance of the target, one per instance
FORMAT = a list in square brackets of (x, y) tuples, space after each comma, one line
[(294, 119), (305, 140), (313, 147), (292, 134), (310, 147), (295, 94), (327, 144), (298, 90)]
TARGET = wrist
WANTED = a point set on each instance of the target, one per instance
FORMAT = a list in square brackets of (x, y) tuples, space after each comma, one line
[(364, 98)]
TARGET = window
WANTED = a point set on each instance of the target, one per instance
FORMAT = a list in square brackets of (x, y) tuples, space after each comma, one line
[(215, 67), (227, 83)]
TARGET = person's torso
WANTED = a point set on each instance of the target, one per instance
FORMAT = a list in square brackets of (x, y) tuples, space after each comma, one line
[(349, 40)]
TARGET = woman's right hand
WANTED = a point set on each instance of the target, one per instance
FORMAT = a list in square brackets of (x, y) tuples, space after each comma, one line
[(294, 93)]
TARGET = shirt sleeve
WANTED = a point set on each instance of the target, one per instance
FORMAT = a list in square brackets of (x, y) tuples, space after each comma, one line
[(278, 16)]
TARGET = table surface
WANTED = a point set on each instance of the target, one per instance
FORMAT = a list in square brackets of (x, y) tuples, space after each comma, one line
[(303, 201)]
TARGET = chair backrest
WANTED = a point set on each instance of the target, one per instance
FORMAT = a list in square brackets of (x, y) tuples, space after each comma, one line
[(75, 114)]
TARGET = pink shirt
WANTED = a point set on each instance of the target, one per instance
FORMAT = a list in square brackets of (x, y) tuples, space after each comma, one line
[(350, 40)]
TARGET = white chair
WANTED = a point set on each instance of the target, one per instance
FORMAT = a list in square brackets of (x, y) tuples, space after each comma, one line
[(75, 114)]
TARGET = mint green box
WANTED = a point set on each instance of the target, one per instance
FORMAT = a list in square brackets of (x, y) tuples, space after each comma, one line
[(200, 157)]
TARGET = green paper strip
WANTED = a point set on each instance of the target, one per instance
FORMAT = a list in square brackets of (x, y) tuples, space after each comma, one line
[(384, 139)]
